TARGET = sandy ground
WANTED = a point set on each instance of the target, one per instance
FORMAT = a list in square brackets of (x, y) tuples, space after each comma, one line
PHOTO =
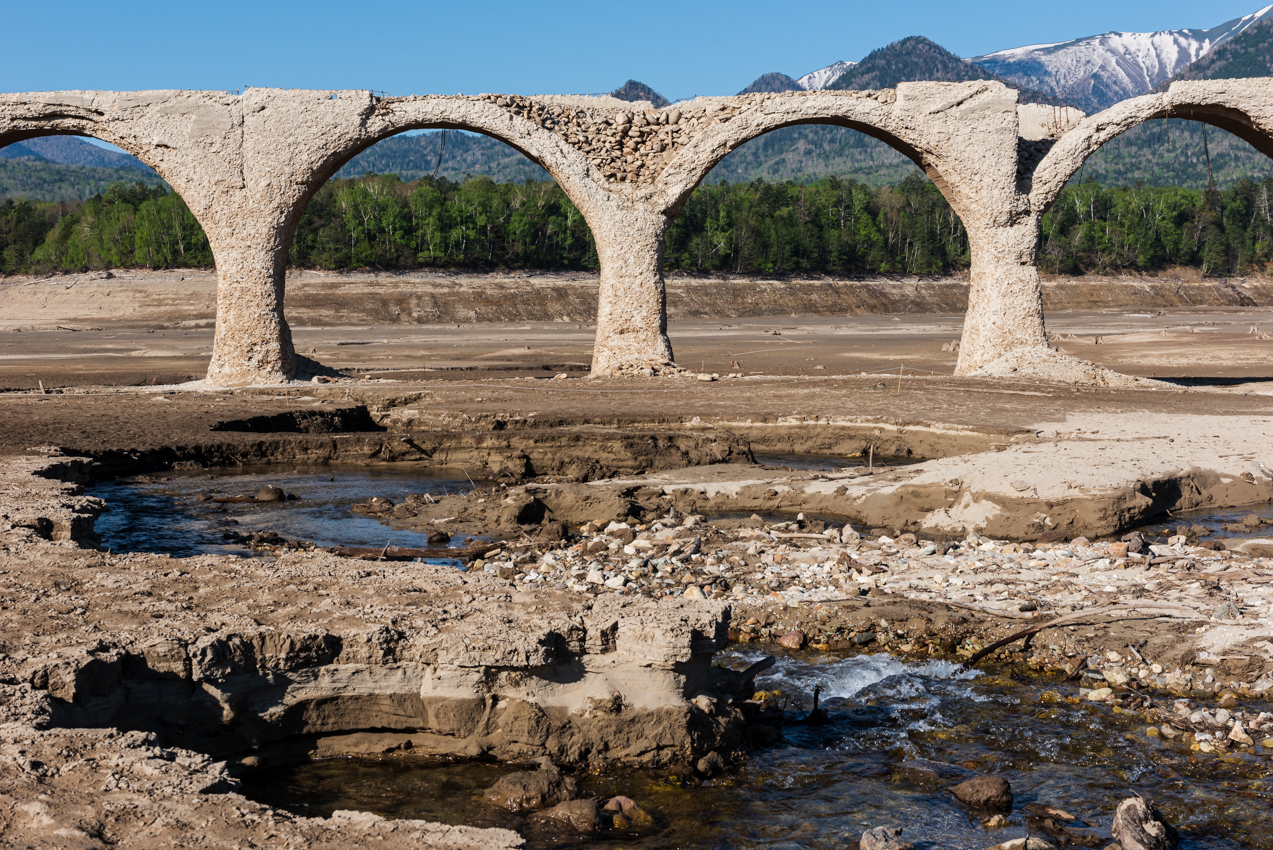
[(139, 327)]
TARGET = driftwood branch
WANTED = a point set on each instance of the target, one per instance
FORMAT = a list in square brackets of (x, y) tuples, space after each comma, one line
[(1087, 618), (404, 553)]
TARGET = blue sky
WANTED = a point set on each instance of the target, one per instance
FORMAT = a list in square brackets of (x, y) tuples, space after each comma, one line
[(680, 48)]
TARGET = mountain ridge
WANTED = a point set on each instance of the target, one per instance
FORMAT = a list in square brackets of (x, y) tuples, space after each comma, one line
[(1097, 71), (1247, 54), (905, 60)]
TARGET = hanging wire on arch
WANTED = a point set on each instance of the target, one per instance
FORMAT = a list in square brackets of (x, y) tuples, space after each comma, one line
[(441, 152)]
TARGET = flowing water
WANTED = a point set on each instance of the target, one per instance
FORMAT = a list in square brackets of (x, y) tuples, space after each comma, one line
[(162, 514), (824, 786)]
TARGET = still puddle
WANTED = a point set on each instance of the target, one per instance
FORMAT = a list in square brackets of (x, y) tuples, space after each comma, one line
[(1220, 525), (824, 785), (162, 514)]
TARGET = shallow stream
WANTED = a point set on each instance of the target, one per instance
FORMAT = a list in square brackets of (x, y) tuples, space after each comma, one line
[(824, 785)]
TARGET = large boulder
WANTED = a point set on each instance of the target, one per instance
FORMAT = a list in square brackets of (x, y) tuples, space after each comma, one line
[(1139, 826), (580, 815), (532, 790), (986, 793)]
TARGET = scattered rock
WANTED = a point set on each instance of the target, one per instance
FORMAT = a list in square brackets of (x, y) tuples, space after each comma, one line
[(1227, 611), (711, 764), (1135, 542), (883, 838), (276, 494), (582, 816), (794, 639), (1239, 736), (532, 790), (1139, 826), (632, 815), (1117, 677), (1043, 810), (1030, 843), (991, 793)]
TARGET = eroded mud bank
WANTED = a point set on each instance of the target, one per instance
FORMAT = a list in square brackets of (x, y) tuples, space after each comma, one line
[(182, 668)]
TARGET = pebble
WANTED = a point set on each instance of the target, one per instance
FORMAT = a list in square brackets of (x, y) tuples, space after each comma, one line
[(794, 639)]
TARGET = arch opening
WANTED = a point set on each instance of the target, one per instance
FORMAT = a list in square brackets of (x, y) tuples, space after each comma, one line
[(69, 207), (77, 208), (1179, 187), (835, 223), (379, 218), (868, 130)]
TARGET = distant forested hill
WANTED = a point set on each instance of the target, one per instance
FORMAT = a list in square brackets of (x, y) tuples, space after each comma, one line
[(71, 150), (65, 168), (39, 180), (413, 157)]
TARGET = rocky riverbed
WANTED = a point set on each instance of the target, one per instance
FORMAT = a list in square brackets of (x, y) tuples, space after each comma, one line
[(292, 653)]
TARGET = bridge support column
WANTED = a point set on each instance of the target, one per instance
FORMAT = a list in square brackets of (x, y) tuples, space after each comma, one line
[(632, 302), (1005, 301), (253, 344)]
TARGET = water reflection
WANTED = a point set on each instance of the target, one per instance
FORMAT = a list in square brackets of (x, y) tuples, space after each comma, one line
[(163, 514)]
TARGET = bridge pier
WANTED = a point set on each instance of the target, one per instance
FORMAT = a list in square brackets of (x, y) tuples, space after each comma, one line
[(632, 301), (1005, 301), (253, 343)]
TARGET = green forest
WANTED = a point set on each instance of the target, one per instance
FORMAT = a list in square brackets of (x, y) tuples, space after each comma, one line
[(831, 226)]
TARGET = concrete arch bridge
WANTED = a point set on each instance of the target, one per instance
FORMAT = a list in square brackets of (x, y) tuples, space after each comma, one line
[(247, 166)]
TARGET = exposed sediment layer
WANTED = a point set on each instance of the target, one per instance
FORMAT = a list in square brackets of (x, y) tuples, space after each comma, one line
[(187, 299), (1057, 482), (215, 658)]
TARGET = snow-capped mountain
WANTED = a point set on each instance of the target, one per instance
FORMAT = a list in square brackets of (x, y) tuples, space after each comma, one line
[(1096, 72), (823, 77)]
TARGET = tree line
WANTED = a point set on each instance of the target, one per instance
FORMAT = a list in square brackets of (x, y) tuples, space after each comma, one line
[(832, 226)]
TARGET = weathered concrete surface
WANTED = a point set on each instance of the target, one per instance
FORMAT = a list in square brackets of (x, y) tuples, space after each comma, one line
[(247, 165), (196, 661)]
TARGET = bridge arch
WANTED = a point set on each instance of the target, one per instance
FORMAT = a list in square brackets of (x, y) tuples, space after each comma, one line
[(626, 321), (1241, 107), (964, 136), (394, 116)]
